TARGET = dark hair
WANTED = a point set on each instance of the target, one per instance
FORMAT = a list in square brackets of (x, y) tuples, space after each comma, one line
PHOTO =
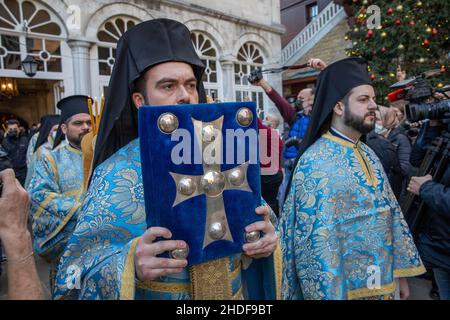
[(12, 122), (67, 121), (346, 98), (139, 84)]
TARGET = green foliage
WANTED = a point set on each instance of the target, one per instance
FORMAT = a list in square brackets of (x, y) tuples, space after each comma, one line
[(410, 24)]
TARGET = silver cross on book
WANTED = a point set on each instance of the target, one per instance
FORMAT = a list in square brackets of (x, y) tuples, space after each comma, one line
[(201, 174)]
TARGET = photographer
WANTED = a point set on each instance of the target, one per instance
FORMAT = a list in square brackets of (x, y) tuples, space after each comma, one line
[(434, 238), (23, 280)]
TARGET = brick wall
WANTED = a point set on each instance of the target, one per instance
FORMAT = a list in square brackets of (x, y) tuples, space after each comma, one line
[(330, 48)]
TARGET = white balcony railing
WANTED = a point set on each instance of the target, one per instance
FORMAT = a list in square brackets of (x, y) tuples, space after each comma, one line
[(321, 22)]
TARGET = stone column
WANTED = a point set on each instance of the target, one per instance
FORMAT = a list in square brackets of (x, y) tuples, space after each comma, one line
[(275, 81), (81, 66), (228, 79)]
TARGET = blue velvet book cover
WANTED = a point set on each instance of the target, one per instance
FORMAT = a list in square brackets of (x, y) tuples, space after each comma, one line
[(201, 174)]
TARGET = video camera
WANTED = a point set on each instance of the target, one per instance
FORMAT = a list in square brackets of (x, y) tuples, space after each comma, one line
[(420, 95), (257, 74)]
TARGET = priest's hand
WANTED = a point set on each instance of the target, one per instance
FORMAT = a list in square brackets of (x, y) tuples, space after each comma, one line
[(267, 244), (150, 267), (416, 183), (14, 204)]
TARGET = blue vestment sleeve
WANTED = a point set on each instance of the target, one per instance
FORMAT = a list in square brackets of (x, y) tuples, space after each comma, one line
[(51, 210), (98, 262)]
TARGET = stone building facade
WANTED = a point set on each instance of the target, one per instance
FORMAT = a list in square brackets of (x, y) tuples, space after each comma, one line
[(74, 43)]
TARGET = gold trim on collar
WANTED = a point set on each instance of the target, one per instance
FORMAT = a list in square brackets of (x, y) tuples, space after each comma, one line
[(339, 140), (366, 167), (74, 150)]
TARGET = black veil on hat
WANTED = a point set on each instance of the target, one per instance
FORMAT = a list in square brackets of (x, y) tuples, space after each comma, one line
[(69, 107), (47, 123), (333, 84), (146, 45)]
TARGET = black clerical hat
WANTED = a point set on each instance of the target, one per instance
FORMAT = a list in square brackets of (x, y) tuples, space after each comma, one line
[(47, 123), (146, 45), (69, 107), (73, 105), (333, 84)]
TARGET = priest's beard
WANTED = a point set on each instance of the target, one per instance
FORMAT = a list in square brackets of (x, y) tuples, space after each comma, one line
[(359, 123), (75, 138)]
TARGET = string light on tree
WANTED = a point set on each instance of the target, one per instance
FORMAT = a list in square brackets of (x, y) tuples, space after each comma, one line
[(413, 33)]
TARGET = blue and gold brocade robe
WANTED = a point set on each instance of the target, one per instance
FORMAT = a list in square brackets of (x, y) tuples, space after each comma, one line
[(31, 146), (55, 192), (341, 227), (98, 262), (36, 157)]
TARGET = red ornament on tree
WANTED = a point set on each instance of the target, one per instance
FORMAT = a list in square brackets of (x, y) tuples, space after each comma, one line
[(434, 32), (383, 49), (398, 22), (369, 34), (425, 42), (411, 23), (443, 69), (390, 11), (372, 77)]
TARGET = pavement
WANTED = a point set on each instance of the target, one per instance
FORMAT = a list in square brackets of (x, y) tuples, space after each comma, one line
[(419, 288), (43, 270)]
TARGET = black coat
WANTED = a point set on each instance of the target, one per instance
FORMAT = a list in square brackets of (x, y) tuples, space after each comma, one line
[(17, 151), (401, 142), (387, 153), (435, 240)]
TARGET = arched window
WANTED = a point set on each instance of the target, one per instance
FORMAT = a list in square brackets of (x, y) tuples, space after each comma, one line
[(27, 28), (108, 36), (208, 53), (249, 58)]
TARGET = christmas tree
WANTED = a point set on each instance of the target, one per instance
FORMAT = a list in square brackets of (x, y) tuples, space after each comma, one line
[(412, 34)]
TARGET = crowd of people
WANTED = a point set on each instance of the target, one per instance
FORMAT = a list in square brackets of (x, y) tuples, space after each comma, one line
[(333, 227)]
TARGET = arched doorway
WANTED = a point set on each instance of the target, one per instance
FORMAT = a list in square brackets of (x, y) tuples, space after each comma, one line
[(29, 28)]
